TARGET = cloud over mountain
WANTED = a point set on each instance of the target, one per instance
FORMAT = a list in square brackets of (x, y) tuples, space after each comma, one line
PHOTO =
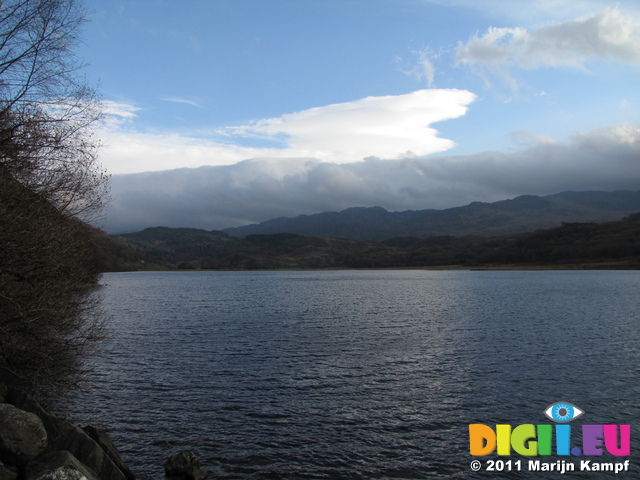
[(256, 190)]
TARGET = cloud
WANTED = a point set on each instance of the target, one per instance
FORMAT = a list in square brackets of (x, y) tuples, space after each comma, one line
[(527, 139), (422, 68), (609, 35), (387, 127), (184, 101), (259, 189), (117, 113), (127, 151)]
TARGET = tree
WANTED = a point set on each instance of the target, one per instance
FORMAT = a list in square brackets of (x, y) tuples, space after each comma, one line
[(48, 315), (46, 109), (50, 180)]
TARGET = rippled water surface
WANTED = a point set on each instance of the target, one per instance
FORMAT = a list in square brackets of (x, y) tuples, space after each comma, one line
[(357, 374)]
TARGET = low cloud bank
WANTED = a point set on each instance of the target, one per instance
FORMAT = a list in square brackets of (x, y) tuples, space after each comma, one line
[(215, 197)]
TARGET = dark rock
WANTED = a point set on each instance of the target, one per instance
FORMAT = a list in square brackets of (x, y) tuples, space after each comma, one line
[(58, 465), (7, 472), (22, 435), (78, 443), (54, 425), (102, 439), (49, 447), (184, 465)]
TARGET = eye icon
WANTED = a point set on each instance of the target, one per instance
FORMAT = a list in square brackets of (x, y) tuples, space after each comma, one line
[(562, 412)]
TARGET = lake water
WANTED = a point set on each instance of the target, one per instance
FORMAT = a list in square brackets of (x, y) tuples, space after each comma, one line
[(359, 374)]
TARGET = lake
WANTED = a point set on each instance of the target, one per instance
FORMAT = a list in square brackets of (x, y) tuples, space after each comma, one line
[(358, 374)]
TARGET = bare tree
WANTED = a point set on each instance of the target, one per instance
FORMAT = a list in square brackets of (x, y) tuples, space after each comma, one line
[(46, 109), (49, 179), (49, 315)]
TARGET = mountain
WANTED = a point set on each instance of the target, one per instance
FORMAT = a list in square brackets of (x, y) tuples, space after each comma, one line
[(578, 245), (174, 245), (521, 214)]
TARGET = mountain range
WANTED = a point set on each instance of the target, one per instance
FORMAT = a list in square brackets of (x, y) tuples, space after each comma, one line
[(572, 245), (521, 214), (578, 238)]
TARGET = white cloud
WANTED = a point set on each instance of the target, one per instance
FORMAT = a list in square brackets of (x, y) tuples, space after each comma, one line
[(609, 35), (422, 68), (117, 113), (387, 127), (185, 101), (129, 151)]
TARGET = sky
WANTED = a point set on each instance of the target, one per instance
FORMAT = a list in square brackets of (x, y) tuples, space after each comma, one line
[(220, 113)]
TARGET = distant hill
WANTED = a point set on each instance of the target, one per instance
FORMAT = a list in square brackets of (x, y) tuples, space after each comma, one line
[(521, 214), (579, 245)]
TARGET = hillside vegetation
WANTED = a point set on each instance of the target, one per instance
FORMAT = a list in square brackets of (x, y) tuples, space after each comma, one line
[(581, 245), (51, 183)]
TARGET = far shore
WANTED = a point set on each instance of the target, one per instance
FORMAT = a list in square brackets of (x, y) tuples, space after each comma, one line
[(605, 265)]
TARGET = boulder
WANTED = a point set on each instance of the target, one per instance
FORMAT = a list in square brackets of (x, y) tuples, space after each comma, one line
[(33, 439), (22, 435), (54, 425), (7, 473), (81, 446), (58, 465), (184, 465), (102, 439)]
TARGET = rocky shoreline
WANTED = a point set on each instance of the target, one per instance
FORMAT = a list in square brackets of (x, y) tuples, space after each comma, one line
[(35, 444)]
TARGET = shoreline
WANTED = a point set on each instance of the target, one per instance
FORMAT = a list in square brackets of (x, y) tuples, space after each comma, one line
[(604, 265)]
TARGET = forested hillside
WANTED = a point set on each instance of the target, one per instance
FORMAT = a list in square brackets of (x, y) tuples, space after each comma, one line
[(583, 245)]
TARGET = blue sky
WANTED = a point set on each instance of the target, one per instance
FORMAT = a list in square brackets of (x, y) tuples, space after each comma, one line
[(282, 100)]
